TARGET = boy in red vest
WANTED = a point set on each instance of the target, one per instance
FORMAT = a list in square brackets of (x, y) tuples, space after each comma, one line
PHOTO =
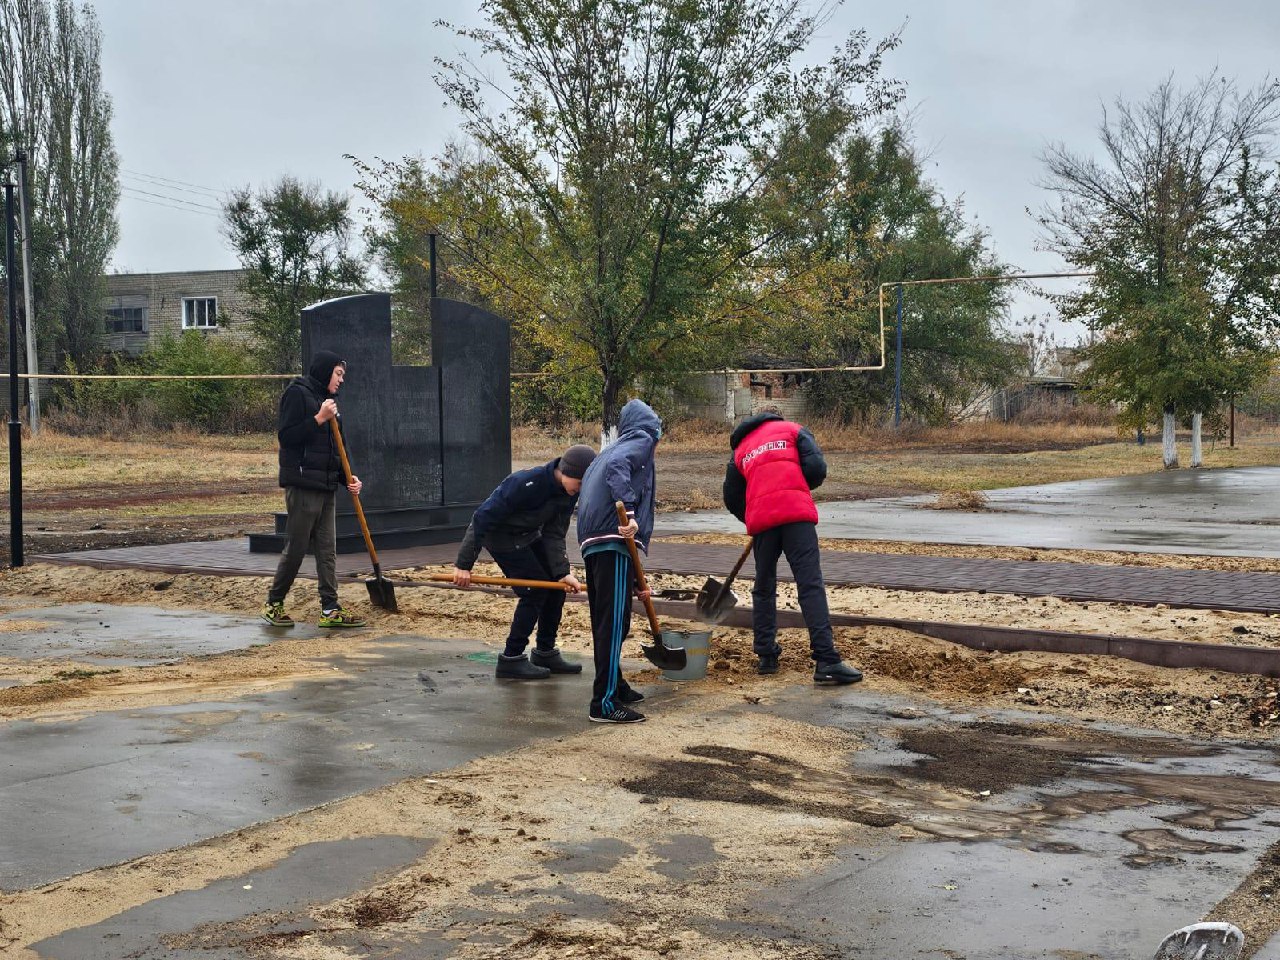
[(775, 464)]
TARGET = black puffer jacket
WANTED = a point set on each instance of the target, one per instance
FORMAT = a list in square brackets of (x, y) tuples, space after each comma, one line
[(308, 455), (528, 506)]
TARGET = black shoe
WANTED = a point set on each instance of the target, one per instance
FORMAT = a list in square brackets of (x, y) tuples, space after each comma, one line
[(618, 715), (767, 665), (519, 668), (838, 672), (552, 660), (630, 696)]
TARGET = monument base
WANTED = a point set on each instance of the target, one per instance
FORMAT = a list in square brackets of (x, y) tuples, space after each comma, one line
[(390, 529)]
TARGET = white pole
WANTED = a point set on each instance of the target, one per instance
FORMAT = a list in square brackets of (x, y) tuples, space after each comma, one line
[(1195, 440), (1170, 440), (33, 362)]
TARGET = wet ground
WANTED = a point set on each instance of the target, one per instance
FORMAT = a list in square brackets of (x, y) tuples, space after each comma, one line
[(127, 784), (1229, 512), (118, 636), (975, 835)]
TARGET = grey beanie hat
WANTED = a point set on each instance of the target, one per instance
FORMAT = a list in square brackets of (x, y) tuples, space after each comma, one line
[(576, 459)]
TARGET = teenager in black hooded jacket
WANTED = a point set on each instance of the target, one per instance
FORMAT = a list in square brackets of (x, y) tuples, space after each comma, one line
[(310, 472)]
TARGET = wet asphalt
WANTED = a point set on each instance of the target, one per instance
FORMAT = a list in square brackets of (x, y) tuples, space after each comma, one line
[(1227, 512), (1032, 871)]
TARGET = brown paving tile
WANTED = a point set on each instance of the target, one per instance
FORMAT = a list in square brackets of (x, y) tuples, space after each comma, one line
[(1210, 589)]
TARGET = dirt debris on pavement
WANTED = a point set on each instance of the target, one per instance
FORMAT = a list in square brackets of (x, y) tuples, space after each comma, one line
[(498, 877), (1202, 703)]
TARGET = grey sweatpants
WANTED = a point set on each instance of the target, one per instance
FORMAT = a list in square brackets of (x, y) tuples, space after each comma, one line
[(310, 526)]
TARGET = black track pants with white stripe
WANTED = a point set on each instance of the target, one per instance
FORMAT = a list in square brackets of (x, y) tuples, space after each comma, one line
[(609, 587)]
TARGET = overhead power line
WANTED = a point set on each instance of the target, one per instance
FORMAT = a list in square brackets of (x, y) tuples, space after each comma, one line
[(139, 183), (156, 203), (164, 196), (181, 183)]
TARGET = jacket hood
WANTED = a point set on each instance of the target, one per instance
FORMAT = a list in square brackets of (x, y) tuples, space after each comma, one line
[(321, 369), (638, 415), (746, 426)]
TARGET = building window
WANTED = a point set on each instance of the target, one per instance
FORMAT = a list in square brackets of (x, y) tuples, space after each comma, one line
[(199, 313), (126, 319)]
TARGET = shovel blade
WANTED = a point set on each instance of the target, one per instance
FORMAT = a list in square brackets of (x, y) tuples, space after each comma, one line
[(711, 607), (382, 594), (664, 657)]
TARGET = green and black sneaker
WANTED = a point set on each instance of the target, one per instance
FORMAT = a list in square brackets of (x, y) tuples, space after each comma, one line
[(274, 614), (340, 618)]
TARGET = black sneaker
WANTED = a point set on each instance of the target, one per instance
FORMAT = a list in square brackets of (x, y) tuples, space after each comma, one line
[(838, 672), (618, 715), (552, 660), (519, 668), (630, 696), (767, 665)]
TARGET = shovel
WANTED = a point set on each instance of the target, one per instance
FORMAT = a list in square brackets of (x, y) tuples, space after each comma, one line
[(715, 599), (381, 592), (505, 582), (661, 655)]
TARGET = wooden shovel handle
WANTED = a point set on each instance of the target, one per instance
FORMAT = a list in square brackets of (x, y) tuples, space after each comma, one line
[(724, 587), (505, 581), (355, 497), (623, 520)]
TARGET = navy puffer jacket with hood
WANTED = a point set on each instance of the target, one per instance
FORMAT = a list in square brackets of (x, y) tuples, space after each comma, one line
[(622, 471)]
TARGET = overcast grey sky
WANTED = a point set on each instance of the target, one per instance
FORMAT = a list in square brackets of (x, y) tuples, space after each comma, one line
[(213, 96)]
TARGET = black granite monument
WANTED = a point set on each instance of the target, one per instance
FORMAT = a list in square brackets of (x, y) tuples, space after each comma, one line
[(430, 443)]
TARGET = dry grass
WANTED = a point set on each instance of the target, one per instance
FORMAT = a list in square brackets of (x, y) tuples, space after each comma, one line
[(960, 500), (930, 471), (704, 436), (968, 457), (54, 461)]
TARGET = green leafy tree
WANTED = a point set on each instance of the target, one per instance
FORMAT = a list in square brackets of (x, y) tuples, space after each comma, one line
[(459, 199), (1181, 227), (293, 240), (398, 240), (629, 165), (53, 108), (882, 221)]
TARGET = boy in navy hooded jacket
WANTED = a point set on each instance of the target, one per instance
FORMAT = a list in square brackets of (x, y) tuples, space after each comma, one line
[(623, 471)]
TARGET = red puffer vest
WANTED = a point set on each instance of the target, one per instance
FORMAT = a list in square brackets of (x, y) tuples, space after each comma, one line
[(776, 489)]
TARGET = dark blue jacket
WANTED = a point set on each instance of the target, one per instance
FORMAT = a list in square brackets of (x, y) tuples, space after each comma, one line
[(622, 471), (530, 505)]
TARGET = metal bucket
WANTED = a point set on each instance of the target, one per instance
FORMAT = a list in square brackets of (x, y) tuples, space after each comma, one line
[(697, 648)]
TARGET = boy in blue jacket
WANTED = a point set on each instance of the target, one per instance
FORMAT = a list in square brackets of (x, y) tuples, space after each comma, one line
[(623, 471), (523, 524)]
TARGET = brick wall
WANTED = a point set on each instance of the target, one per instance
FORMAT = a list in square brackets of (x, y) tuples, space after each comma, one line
[(161, 296)]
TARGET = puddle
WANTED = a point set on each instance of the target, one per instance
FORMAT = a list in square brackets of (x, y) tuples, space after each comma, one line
[(128, 636)]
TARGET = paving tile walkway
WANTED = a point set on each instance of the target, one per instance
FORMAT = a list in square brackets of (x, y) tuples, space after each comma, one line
[(1208, 589)]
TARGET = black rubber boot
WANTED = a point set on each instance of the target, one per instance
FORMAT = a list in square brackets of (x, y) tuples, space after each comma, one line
[(838, 672), (552, 660), (519, 668), (767, 665)]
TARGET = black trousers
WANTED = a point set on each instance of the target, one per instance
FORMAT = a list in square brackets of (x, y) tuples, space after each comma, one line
[(609, 586), (799, 542), (535, 608)]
